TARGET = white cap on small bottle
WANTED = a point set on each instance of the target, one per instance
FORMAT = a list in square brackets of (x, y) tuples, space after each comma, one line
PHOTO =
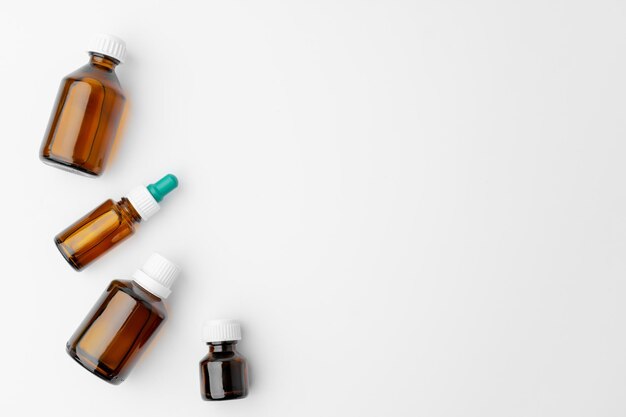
[(108, 45), (143, 202), (221, 331), (157, 275)]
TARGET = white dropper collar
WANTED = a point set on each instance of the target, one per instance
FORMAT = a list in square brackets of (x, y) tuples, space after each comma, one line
[(143, 202), (214, 331), (157, 276)]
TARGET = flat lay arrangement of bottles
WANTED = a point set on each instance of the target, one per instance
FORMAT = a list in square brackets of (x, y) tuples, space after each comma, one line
[(112, 337)]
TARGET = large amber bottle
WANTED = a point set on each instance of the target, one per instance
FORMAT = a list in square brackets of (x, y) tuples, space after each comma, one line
[(117, 330), (87, 112)]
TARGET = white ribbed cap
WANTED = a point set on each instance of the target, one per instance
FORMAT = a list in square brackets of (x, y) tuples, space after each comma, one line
[(143, 202), (157, 275), (108, 45), (221, 331)]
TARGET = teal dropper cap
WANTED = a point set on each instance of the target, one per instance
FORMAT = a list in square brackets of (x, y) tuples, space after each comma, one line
[(163, 187)]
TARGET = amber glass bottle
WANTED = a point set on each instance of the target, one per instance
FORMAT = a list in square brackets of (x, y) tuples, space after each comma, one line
[(87, 112), (223, 371), (120, 325), (109, 224)]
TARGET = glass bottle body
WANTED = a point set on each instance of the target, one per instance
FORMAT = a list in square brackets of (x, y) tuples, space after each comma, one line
[(117, 330), (85, 118), (97, 232), (223, 373)]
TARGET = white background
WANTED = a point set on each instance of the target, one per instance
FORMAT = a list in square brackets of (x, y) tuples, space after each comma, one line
[(414, 208)]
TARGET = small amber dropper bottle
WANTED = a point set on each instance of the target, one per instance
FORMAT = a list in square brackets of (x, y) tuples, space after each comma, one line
[(110, 223)]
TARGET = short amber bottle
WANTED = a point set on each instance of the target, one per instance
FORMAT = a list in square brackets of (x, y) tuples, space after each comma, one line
[(117, 330), (111, 223), (223, 371), (87, 112)]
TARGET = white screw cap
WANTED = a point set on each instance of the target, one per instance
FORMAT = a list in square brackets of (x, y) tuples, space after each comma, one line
[(143, 202), (157, 275), (221, 331), (108, 45)]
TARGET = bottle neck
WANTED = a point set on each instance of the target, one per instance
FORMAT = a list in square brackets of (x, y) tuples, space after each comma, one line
[(102, 61), (150, 285), (145, 292), (128, 210), (230, 346)]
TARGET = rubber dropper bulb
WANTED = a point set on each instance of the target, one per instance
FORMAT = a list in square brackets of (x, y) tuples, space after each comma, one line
[(163, 187)]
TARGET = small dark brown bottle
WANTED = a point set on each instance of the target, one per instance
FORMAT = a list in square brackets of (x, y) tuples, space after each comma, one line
[(223, 371), (87, 112), (117, 330)]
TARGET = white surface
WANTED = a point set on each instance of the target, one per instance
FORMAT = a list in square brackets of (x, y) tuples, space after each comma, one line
[(414, 208)]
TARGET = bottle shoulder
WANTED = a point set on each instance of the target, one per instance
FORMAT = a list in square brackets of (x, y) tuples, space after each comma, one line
[(113, 214), (107, 204), (112, 208), (228, 356), (143, 297), (96, 78)]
